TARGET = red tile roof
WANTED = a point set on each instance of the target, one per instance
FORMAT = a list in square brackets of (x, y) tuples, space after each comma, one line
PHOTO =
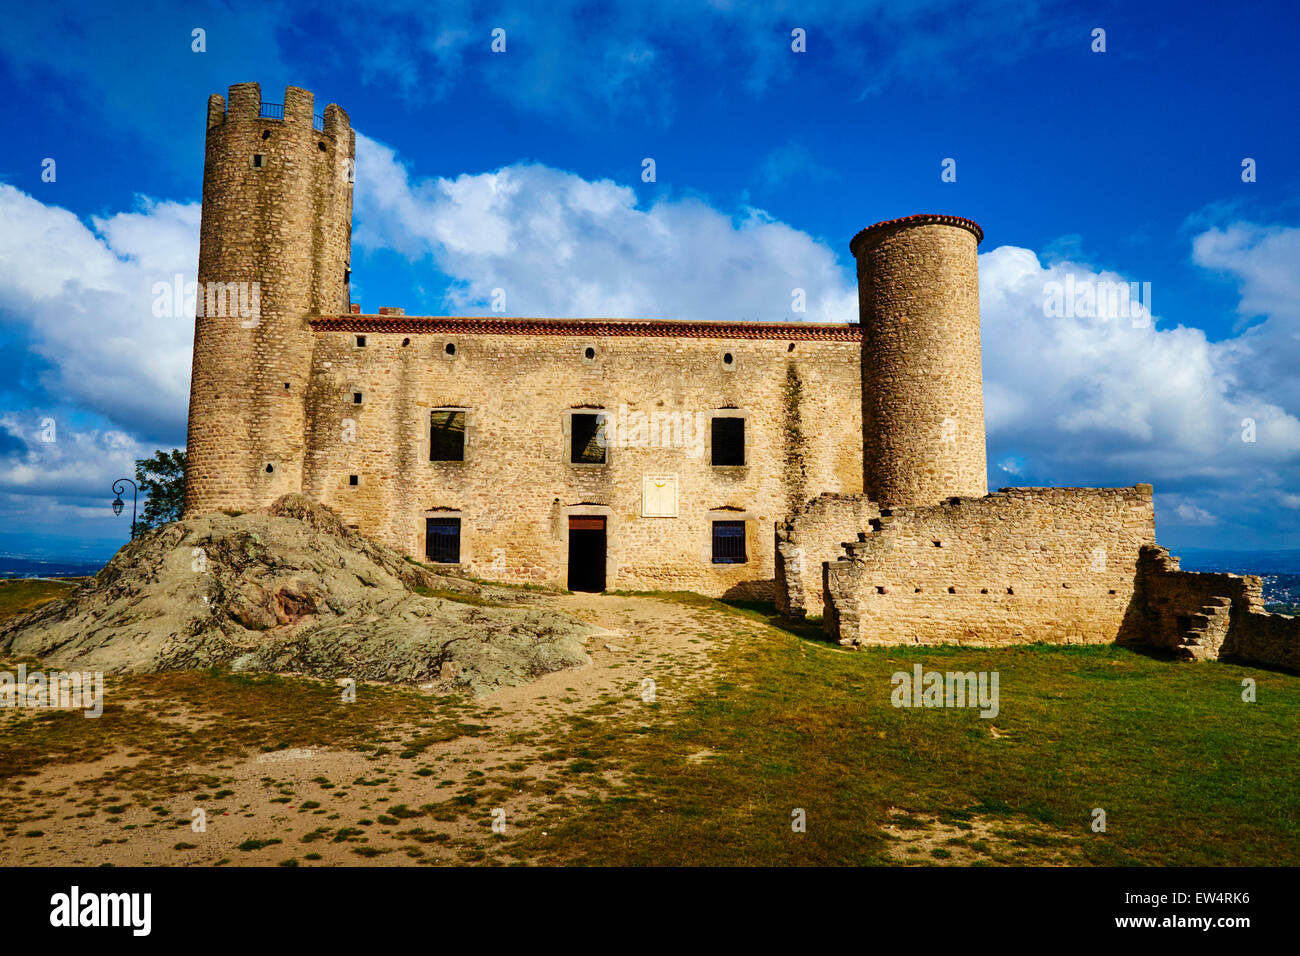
[(920, 219), (651, 328)]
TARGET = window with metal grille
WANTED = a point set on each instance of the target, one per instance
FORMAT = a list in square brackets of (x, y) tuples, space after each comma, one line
[(442, 540), (446, 435), (729, 542), (728, 441), (588, 446)]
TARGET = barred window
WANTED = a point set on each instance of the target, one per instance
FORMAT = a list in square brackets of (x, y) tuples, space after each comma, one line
[(442, 540), (728, 440), (729, 542), (446, 435), (588, 447)]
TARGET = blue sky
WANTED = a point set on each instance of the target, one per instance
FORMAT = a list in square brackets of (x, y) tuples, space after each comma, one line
[(523, 169)]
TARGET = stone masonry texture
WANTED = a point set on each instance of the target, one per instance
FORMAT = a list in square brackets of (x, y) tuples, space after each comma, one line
[(1205, 616), (517, 488), (922, 386), (277, 212), (1018, 566)]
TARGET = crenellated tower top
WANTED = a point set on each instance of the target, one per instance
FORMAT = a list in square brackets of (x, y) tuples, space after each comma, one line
[(276, 238)]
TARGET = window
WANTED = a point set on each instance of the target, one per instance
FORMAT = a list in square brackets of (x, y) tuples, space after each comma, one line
[(446, 435), (361, 341), (442, 540), (354, 480), (258, 161), (728, 441), (588, 446), (729, 542)]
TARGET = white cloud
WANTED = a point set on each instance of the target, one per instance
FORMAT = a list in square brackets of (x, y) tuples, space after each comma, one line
[(1088, 399), (560, 245), (1097, 401), (85, 296), (1188, 513), (1264, 262), (77, 463)]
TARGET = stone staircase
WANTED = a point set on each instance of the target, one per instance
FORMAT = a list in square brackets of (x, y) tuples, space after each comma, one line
[(1209, 626)]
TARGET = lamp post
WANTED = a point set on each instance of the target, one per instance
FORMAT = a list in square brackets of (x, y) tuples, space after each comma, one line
[(118, 503)]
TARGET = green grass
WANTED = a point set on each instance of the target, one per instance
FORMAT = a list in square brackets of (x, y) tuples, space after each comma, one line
[(249, 845), (253, 712), (20, 595), (460, 597), (1187, 772)]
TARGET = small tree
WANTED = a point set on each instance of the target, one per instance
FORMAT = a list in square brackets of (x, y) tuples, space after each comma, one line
[(162, 482)]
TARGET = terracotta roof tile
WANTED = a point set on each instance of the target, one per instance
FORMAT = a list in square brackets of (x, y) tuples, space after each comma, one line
[(920, 219), (651, 328)]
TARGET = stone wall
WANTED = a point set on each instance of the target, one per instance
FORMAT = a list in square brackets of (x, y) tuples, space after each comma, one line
[(1018, 566), (807, 541), (1208, 616), (797, 385)]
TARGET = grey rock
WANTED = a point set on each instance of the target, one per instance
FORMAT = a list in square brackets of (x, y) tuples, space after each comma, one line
[(293, 589)]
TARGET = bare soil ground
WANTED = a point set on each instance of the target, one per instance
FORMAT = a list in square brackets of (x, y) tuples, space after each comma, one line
[(699, 733), (347, 806), (926, 840)]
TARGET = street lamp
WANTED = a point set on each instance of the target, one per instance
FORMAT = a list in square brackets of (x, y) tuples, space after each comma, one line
[(118, 503)]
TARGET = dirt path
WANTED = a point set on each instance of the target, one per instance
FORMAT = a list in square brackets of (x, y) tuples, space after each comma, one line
[(322, 805)]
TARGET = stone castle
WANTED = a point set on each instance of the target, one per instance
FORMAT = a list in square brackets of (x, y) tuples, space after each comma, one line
[(838, 469)]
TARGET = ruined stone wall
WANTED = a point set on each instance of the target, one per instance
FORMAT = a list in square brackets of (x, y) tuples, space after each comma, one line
[(274, 248), (1208, 616), (1018, 566), (808, 540), (1272, 640), (798, 388)]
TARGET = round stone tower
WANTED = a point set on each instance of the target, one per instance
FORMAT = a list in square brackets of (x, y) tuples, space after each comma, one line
[(922, 385), (274, 250)]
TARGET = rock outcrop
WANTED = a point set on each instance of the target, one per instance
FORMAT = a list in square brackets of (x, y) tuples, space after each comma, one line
[(293, 589)]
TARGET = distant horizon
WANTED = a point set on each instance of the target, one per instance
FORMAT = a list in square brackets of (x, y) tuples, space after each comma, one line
[(9, 560)]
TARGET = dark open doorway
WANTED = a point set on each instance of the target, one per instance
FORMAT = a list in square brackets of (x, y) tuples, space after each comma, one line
[(586, 553)]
